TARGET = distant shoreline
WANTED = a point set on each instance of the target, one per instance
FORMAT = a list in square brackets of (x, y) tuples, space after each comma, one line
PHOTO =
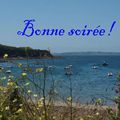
[(88, 53), (30, 58)]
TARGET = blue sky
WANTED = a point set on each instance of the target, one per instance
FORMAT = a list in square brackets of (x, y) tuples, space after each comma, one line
[(65, 14)]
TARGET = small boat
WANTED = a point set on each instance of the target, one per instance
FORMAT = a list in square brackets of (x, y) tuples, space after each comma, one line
[(105, 63), (8, 71), (110, 74), (50, 67), (70, 66), (94, 67), (68, 70)]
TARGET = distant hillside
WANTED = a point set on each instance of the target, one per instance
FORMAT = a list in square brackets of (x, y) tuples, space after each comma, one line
[(87, 53), (22, 52)]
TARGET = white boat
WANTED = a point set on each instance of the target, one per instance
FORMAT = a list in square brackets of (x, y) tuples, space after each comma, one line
[(8, 71), (94, 67), (110, 74)]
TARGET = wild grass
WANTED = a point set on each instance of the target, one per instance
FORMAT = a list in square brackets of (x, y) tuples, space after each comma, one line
[(25, 96)]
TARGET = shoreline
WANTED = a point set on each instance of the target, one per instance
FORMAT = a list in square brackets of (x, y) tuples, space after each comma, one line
[(31, 58), (78, 105)]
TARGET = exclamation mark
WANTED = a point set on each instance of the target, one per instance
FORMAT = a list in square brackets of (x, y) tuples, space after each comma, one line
[(112, 26)]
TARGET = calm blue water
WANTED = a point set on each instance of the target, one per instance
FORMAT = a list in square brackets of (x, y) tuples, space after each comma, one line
[(87, 83)]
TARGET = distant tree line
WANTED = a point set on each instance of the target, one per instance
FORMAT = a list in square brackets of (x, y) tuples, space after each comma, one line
[(23, 52)]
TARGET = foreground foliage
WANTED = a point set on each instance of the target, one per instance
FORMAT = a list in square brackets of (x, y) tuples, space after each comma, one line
[(19, 101)]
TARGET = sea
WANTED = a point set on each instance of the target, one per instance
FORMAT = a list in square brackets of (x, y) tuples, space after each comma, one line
[(88, 83)]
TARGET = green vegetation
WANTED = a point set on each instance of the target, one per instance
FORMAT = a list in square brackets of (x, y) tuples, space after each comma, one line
[(20, 52), (115, 115), (18, 101)]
